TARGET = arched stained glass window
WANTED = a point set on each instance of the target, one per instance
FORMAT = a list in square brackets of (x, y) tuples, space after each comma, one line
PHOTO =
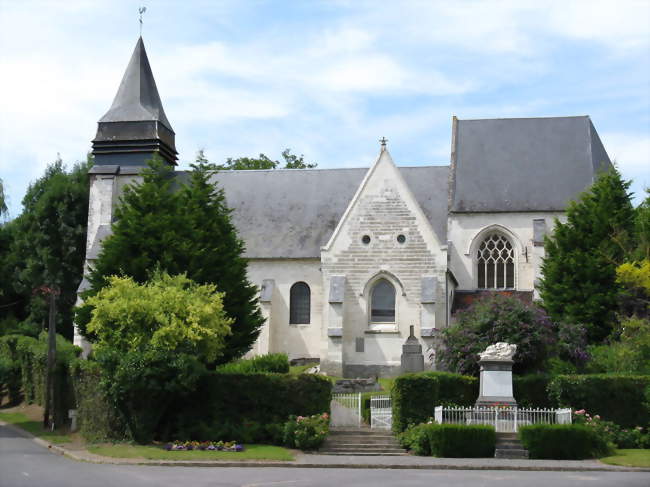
[(496, 263), (299, 304), (382, 302)]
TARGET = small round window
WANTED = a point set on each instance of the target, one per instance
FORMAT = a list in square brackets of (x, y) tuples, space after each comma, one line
[(401, 239), (365, 239)]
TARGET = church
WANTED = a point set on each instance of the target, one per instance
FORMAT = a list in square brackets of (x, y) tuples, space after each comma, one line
[(347, 260)]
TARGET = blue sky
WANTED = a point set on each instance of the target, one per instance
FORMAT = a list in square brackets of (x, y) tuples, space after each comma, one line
[(324, 78)]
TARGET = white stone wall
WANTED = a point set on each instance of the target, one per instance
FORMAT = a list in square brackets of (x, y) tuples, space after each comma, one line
[(297, 341), (466, 231), (383, 209)]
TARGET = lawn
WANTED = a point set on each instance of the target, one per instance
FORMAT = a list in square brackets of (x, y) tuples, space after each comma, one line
[(629, 458), (251, 452), (34, 427)]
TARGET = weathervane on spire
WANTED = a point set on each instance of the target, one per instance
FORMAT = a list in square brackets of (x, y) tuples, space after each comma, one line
[(141, 10), (383, 141)]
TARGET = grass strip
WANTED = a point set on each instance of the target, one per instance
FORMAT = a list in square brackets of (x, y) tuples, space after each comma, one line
[(150, 452), (629, 458), (34, 427)]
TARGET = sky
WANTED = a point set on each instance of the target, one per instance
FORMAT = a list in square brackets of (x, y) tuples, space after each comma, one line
[(326, 79)]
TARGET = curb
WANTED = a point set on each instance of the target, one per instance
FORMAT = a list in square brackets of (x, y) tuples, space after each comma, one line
[(59, 450)]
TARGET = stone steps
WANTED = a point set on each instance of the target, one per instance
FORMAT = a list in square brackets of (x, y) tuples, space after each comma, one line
[(509, 446), (363, 441)]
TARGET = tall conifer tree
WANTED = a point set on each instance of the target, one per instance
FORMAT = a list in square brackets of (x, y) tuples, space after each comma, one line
[(579, 269), (186, 230)]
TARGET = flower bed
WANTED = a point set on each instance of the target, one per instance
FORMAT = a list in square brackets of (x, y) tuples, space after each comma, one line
[(231, 446)]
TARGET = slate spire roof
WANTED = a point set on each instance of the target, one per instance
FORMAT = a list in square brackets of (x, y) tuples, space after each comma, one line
[(135, 127), (137, 98)]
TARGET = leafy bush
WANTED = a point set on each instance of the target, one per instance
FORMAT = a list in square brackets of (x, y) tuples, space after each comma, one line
[(414, 396), (563, 441), (613, 433), (629, 354), (617, 398), (306, 432), (530, 390), (499, 318), (461, 441), (272, 362), (416, 439), (167, 313)]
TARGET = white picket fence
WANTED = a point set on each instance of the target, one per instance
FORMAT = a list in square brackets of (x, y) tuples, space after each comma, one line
[(381, 412), (504, 420)]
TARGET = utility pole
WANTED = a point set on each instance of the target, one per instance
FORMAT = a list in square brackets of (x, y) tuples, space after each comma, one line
[(51, 292)]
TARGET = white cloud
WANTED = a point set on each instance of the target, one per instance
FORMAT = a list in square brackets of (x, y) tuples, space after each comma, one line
[(632, 155)]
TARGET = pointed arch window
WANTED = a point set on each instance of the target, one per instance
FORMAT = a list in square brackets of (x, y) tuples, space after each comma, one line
[(496, 263), (300, 304), (382, 302)]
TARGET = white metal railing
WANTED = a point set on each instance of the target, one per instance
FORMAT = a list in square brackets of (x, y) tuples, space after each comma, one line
[(381, 412), (346, 410), (504, 420)]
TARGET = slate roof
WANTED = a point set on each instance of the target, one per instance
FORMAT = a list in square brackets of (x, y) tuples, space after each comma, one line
[(523, 164), (137, 98), (292, 213)]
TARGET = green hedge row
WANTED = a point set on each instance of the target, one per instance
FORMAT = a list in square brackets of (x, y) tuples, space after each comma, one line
[(450, 440), (415, 396), (230, 405), (25, 359), (563, 441), (530, 391), (617, 398)]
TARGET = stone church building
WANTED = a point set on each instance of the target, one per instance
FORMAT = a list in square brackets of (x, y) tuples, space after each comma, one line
[(347, 260)]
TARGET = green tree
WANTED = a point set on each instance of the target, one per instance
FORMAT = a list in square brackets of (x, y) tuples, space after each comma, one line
[(3, 201), (154, 340), (579, 269), (291, 161), (186, 230), (48, 242), (216, 254)]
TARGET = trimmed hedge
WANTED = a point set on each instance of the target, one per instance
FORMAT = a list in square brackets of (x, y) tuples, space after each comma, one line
[(10, 370), (231, 405), (563, 441), (530, 391), (273, 362), (450, 440), (617, 398), (415, 396), (97, 420), (461, 441), (26, 358)]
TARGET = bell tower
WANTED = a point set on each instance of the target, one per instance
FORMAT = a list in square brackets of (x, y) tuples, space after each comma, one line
[(135, 127)]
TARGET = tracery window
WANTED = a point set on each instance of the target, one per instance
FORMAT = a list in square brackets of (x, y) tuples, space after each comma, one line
[(299, 304), (382, 302), (496, 263)]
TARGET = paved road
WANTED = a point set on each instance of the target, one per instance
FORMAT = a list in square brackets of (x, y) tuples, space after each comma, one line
[(24, 463)]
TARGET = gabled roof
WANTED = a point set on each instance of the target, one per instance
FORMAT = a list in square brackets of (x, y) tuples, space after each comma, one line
[(292, 213), (137, 98), (523, 164)]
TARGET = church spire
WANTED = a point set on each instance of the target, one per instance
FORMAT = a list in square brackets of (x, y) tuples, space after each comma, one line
[(136, 125)]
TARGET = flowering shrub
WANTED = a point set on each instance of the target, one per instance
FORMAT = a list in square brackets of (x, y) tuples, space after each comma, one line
[(500, 318), (306, 432), (204, 445), (613, 433)]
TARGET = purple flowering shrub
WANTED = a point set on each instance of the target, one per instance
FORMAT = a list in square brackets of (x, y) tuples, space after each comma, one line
[(501, 318)]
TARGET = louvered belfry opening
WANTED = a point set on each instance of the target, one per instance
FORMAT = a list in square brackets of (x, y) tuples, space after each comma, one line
[(496, 263)]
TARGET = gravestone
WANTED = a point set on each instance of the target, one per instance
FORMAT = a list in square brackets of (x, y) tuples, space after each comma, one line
[(412, 358), (496, 376)]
